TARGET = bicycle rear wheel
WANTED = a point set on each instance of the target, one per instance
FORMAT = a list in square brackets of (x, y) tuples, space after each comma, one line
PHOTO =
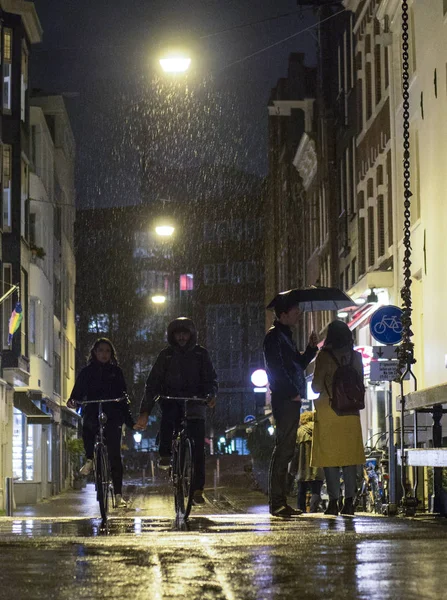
[(183, 477), (102, 480)]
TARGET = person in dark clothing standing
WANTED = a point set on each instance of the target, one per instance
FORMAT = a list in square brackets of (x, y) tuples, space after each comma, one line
[(182, 369), (103, 379), (285, 370)]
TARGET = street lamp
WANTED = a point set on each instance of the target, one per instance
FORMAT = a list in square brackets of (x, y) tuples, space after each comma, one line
[(175, 63), (164, 230), (158, 299), (137, 437)]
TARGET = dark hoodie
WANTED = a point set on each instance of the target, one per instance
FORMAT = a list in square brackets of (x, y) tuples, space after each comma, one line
[(98, 381), (181, 371)]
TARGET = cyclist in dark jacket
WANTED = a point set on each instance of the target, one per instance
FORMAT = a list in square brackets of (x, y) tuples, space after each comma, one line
[(182, 369), (285, 369), (103, 379)]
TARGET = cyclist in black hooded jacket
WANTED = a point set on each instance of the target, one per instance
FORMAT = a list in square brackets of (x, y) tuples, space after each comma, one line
[(182, 369)]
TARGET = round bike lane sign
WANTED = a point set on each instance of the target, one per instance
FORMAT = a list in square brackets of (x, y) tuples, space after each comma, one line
[(386, 325)]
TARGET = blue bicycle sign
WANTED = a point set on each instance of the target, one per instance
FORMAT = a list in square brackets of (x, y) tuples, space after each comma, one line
[(386, 325)]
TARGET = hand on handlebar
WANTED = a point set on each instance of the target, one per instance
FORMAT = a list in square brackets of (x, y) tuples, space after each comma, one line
[(211, 402), (141, 423)]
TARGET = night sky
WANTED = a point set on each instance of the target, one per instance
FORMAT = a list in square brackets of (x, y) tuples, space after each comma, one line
[(99, 53)]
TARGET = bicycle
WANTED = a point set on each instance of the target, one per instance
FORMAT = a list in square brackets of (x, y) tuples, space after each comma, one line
[(101, 465), (182, 460)]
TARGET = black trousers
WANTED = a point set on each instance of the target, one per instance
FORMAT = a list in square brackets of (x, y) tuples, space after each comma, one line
[(171, 417), (313, 486), (287, 417), (112, 433)]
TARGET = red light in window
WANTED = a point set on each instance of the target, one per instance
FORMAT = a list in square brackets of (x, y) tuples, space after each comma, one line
[(186, 282)]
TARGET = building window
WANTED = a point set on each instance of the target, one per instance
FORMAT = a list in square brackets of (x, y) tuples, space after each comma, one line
[(7, 176), (23, 82), (7, 304), (353, 271), (209, 274), (57, 297), (381, 225), (24, 198), (238, 272), (362, 267), (222, 273), (186, 282), (32, 317), (224, 340), (371, 237), (22, 448), (56, 374), (7, 69), (377, 68)]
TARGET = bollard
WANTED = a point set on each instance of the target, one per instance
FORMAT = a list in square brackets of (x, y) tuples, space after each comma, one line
[(152, 470), (144, 477), (218, 470), (9, 488)]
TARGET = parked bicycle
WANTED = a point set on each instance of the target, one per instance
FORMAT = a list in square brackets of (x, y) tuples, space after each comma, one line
[(372, 495), (101, 465), (182, 459)]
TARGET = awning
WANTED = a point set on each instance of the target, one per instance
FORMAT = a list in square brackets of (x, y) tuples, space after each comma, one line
[(23, 402), (69, 417)]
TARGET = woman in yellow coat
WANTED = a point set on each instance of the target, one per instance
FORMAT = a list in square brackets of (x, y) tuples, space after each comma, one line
[(337, 440)]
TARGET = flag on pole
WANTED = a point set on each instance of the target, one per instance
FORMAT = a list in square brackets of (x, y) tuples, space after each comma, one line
[(15, 321)]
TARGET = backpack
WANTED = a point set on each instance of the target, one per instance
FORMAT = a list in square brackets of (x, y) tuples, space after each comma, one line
[(348, 389)]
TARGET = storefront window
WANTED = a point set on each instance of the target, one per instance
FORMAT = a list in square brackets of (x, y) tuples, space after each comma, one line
[(17, 446), (29, 455), (22, 448)]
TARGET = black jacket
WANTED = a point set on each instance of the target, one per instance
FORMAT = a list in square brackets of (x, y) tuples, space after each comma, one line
[(99, 381), (180, 371), (284, 364)]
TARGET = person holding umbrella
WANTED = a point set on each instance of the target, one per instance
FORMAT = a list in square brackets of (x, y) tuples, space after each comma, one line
[(285, 367)]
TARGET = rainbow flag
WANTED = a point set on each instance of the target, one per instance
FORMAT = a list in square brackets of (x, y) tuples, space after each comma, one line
[(15, 321)]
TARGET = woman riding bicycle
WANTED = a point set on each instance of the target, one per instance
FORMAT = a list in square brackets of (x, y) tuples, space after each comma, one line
[(103, 379)]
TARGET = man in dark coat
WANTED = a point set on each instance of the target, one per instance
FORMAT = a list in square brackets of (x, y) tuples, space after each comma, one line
[(285, 369), (182, 369)]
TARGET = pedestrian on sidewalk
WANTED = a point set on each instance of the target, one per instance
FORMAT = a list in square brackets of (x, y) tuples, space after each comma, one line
[(337, 441), (309, 478), (285, 367), (103, 379), (182, 369)]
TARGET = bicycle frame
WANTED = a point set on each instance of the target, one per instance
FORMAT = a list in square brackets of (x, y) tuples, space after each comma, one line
[(101, 465), (182, 461)]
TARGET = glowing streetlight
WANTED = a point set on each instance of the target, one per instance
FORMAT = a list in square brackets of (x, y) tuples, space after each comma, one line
[(159, 299), (164, 230), (175, 63), (137, 437), (259, 378)]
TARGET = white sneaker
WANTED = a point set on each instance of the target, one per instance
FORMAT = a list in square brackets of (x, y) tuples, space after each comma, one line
[(87, 468), (120, 502)]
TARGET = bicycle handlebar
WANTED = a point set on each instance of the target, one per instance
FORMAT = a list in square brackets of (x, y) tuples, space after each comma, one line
[(83, 402), (184, 398)]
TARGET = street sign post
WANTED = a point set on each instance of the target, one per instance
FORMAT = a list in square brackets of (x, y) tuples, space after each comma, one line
[(386, 325)]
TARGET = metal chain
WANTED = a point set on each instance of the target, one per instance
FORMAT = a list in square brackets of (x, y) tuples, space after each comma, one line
[(406, 350)]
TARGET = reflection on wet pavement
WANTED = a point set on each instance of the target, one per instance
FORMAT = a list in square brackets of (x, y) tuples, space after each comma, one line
[(227, 550), (223, 556)]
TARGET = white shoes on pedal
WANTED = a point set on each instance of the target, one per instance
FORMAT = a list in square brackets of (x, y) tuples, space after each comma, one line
[(87, 468), (120, 502)]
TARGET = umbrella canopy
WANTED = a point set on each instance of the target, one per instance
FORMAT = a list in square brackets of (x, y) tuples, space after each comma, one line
[(312, 299)]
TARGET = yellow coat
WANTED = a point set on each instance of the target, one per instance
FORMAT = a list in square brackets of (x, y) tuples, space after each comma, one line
[(337, 441)]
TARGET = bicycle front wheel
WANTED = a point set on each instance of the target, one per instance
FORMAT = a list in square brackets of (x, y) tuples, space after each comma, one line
[(184, 477), (102, 481)]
